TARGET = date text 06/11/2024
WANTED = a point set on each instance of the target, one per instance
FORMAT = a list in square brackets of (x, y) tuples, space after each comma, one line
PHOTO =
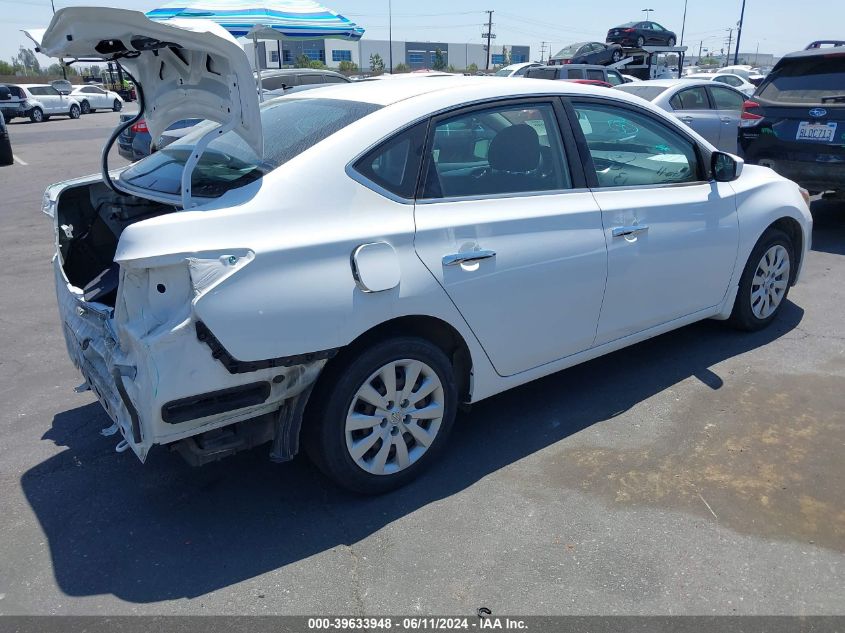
[(417, 623)]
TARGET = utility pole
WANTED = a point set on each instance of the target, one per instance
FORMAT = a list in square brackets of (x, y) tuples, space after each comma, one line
[(543, 51), (730, 39), (489, 35), (739, 33), (61, 61), (390, 33), (684, 23), (700, 44)]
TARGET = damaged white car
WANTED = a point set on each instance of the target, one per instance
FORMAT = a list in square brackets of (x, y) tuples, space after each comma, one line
[(345, 266)]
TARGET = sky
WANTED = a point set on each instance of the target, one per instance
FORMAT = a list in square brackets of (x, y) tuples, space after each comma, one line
[(777, 26)]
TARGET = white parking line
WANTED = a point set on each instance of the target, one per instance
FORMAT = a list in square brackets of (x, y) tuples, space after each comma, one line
[(19, 161)]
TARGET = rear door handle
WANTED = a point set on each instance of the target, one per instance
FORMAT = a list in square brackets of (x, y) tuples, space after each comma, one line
[(622, 231), (727, 119), (686, 119), (466, 258)]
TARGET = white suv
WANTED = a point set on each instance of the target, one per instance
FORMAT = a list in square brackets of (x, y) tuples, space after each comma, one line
[(41, 101)]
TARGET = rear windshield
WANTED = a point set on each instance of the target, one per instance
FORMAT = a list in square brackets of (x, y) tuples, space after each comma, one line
[(813, 80), (649, 93), (290, 126)]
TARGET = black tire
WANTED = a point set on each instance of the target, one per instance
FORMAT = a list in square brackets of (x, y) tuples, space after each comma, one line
[(617, 56), (671, 41), (36, 115), (74, 112), (117, 106), (743, 317), (324, 430), (86, 107), (640, 41)]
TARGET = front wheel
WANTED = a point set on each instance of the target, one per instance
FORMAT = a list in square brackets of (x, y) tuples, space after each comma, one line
[(640, 41), (74, 112), (617, 55), (380, 418), (671, 41), (117, 106), (36, 115), (764, 284)]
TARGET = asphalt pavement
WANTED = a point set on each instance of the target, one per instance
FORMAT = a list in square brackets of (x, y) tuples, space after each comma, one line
[(697, 473)]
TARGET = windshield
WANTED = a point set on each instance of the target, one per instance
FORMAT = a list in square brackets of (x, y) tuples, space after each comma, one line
[(505, 72), (649, 93), (570, 50), (803, 80), (290, 126)]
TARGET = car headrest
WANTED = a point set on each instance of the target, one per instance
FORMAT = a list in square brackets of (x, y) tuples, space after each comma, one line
[(515, 148)]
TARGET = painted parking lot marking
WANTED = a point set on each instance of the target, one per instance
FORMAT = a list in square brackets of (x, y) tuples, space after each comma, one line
[(19, 161)]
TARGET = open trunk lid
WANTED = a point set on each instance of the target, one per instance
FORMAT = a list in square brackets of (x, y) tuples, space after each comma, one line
[(187, 68)]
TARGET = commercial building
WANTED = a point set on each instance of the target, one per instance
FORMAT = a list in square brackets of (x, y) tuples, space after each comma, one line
[(415, 55)]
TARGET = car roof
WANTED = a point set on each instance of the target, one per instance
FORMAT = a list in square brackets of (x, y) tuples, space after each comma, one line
[(582, 66), (451, 90), (814, 52), (277, 72), (32, 85)]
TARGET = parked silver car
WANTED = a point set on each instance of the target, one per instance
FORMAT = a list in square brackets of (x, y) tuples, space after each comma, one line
[(41, 101), (92, 98), (711, 110)]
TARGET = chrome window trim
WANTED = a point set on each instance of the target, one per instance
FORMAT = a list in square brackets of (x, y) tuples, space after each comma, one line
[(500, 196)]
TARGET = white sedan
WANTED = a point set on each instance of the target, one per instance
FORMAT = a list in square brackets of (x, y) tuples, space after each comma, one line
[(92, 98), (729, 79), (340, 269)]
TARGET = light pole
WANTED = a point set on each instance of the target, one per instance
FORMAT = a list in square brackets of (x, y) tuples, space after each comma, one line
[(647, 11), (739, 33), (61, 61), (684, 23), (390, 33)]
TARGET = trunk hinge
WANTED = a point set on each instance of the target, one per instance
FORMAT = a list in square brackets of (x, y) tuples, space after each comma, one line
[(195, 156)]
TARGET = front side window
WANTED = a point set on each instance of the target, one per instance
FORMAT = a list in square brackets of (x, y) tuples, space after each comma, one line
[(729, 79), (290, 127), (614, 78), (630, 148), (501, 150), (726, 99), (690, 99)]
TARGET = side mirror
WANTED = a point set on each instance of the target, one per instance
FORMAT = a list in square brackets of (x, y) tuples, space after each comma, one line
[(5, 93), (725, 167)]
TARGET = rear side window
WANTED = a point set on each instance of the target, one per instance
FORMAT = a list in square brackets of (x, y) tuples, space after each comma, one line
[(277, 83), (726, 99), (306, 80), (541, 73), (595, 74), (506, 149), (334, 79), (806, 80), (395, 163), (572, 73), (690, 99)]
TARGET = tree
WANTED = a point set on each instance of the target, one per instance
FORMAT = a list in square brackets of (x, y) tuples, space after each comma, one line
[(452, 68), (506, 55), (316, 63), (347, 67), (401, 68), (56, 69), (6, 68), (472, 68), (28, 61), (303, 61), (376, 64), (439, 60)]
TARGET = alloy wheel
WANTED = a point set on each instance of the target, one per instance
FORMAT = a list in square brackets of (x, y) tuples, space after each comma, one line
[(394, 417), (86, 107), (770, 281)]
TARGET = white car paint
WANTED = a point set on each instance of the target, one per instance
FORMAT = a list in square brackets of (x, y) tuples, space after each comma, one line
[(98, 98), (50, 101), (729, 79), (516, 70), (311, 257)]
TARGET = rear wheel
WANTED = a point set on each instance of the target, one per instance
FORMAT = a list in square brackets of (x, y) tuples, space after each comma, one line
[(74, 111), (86, 107), (117, 106), (764, 284), (36, 115), (380, 418)]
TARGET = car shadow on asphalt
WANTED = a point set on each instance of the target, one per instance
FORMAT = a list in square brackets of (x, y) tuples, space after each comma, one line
[(829, 226), (165, 531)]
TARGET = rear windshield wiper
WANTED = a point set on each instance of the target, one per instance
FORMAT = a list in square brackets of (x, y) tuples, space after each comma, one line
[(834, 99)]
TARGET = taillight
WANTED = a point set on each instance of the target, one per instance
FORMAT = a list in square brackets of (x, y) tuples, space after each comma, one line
[(567, 61), (748, 118), (629, 30), (140, 127)]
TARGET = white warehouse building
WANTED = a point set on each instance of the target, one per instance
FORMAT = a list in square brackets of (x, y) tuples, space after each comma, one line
[(415, 55)]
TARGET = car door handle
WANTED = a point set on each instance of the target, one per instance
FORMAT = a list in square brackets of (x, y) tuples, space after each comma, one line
[(622, 231), (466, 258), (727, 119)]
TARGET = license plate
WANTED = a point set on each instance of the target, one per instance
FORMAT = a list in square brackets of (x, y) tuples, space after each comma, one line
[(823, 132)]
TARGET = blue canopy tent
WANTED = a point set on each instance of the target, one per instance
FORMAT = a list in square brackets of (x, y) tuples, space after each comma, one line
[(265, 19)]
